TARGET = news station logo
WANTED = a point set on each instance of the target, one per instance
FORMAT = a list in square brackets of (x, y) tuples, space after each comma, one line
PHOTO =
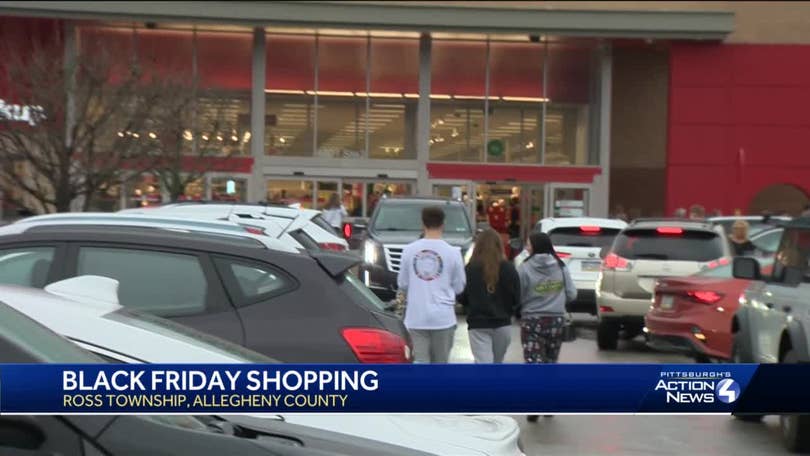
[(698, 387)]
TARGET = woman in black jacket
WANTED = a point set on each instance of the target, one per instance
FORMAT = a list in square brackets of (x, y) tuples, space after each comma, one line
[(491, 297)]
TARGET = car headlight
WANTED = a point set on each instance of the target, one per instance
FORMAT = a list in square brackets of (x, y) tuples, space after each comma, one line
[(371, 252), (468, 254)]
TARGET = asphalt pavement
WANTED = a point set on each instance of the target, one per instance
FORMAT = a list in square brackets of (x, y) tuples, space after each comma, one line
[(629, 434)]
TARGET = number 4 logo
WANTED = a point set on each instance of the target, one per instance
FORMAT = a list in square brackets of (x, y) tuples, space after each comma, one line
[(727, 390)]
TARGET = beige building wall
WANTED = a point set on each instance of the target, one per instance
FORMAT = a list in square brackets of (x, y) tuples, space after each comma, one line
[(755, 22)]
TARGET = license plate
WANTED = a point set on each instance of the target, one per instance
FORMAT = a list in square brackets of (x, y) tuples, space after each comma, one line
[(591, 265), (666, 302)]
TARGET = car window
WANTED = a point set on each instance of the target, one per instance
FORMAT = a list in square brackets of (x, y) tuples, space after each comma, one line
[(407, 216), (38, 340), (256, 281), (305, 240), (318, 220), (791, 261), (26, 266), (683, 245), (583, 237), (359, 293), (768, 242), (165, 283)]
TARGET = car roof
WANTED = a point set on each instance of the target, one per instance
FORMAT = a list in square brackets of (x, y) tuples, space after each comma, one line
[(724, 218), (113, 328), (211, 242), (264, 209), (563, 222), (230, 231)]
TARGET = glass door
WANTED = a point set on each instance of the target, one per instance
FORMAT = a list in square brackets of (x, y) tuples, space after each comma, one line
[(568, 200), (532, 208), (324, 189)]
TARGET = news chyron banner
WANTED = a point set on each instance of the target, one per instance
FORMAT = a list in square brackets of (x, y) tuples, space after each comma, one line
[(472, 389)]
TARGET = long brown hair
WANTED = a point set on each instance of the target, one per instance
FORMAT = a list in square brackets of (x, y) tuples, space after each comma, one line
[(488, 252)]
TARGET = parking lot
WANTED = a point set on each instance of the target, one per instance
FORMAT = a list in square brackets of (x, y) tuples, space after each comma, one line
[(630, 435)]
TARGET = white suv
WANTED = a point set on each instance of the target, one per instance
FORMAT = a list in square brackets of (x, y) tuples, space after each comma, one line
[(643, 252), (578, 241), (305, 226)]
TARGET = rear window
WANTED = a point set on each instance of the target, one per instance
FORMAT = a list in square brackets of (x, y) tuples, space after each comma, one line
[(649, 244), (305, 240), (359, 293), (318, 220), (577, 237)]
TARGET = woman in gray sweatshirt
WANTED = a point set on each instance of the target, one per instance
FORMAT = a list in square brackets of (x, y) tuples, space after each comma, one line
[(546, 287)]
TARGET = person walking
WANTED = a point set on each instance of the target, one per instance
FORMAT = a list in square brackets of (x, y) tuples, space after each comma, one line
[(334, 212), (431, 275), (490, 298), (545, 287), (740, 244), (697, 212)]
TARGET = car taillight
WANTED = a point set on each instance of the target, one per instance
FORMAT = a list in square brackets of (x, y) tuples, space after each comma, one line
[(669, 230), (563, 255), (334, 246), (715, 263), (613, 261), (347, 230), (377, 346), (590, 229), (705, 297)]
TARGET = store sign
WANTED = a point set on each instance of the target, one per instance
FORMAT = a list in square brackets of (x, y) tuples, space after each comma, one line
[(20, 113), (495, 147)]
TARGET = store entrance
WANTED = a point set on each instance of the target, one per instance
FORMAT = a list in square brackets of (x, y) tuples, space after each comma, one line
[(513, 209)]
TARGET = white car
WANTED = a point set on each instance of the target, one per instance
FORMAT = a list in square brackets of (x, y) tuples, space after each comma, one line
[(579, 241), (306, 226), (85, 310), (167, 222)]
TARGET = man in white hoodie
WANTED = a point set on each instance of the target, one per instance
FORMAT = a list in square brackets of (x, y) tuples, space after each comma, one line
[(431, 275)]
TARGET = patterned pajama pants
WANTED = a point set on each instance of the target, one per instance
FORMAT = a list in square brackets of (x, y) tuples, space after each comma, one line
[(542, 338)]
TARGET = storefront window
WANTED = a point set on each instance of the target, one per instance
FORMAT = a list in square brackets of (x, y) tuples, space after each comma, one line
[(228, 189), (290, 86), (145, 192), (195, 191), (571, 76), (291, 192), (457, 103), (394, 82)]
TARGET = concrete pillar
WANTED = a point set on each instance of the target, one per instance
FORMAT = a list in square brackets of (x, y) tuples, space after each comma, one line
[(600, 197), (423, 118), (256, 190)]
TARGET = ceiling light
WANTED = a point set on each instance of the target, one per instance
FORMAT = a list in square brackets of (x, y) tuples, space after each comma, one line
[(246, 137), (282, 140), (526, 99), (120, 134), (135, 135), (152, 135), (234, 138), (204, 137), (454, 133), (220, 138), (187, 135)]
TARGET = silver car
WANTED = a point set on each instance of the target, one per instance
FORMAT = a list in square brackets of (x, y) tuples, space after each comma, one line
[(643, 252), (772, 324)]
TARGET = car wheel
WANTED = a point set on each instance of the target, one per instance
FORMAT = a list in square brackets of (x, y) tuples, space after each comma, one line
[(607, 335), (795, 428), (736, 350)]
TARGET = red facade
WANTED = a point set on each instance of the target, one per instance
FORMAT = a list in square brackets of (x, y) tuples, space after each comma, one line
[(738, 123)]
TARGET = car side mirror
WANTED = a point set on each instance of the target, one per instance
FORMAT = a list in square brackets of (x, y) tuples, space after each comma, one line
[(746, 268), (603, 252)]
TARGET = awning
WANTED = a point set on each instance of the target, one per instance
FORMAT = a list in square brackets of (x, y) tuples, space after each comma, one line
[(691, 25)]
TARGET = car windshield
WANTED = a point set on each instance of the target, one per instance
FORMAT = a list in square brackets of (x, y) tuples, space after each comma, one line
[(583, 237), (685, 245), (173, 330), (407, 216), (40, 341)]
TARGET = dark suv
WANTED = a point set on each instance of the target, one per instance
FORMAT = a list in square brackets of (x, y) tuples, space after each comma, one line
[(397, 222), (294, 307)]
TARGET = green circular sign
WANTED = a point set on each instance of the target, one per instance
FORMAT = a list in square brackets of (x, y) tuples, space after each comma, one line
[(495, 147)]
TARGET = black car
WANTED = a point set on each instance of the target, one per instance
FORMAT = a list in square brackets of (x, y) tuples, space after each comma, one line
[(22, 340), (397, 222), (294, 307)]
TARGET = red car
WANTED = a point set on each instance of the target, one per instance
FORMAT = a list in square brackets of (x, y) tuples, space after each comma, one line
[(693, 314)]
